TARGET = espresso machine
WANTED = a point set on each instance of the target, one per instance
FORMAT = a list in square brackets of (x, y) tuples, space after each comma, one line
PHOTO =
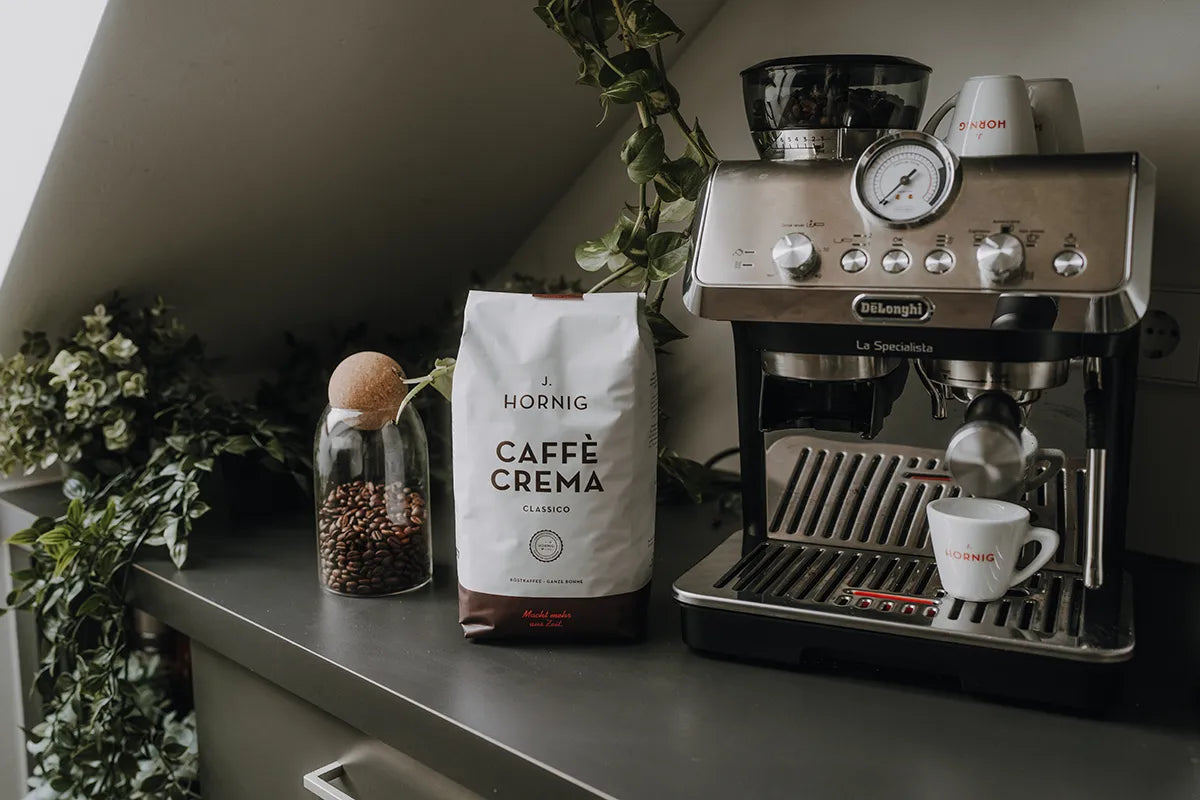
[(987, 281)]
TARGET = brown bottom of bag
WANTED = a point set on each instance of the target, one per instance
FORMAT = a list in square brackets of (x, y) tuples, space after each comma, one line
[(493, 616)]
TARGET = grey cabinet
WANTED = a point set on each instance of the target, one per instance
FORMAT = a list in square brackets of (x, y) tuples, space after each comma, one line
[(259, 741)]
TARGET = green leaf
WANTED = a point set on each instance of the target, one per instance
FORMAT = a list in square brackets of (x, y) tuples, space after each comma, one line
[(178, 443), (547, 18), (75, 512), (592, 255), (152, 783), (648, 24), (590, 68), (442, 377), (239, 445), (632, 88), (661, 100), (53, 537), (684, 474), (663, 330), (680, 178), (174, 750), (668, 251), (25, 537), (618, 237), (595, 21), (678, 210), (90, 605), (702, 158), (643, 153), (65, 561), (127, 763), (627, 62), (274, 449)]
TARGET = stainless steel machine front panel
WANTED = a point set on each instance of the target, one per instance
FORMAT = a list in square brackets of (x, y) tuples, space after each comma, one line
[(1099, 206), (849, 546)]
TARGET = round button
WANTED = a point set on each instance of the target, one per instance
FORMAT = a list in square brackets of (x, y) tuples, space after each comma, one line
[(939, 261), (895, 261), (794, 254), (1000, 256), (1069, 263), (854, 260)]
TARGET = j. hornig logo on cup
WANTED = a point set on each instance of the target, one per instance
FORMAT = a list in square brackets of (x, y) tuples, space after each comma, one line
[(892, 308)]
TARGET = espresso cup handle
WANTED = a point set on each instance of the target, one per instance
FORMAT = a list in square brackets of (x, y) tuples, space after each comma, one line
[(1053, 459), (1048, 546), (939, 115)]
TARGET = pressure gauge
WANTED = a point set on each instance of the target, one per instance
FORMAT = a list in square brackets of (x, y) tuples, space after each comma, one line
[(905, 179)]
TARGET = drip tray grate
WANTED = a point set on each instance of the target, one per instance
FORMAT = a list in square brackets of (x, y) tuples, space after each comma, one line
[(849, 547), (862, 495)]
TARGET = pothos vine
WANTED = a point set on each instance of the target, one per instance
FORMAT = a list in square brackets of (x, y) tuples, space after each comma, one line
[(127, 404), (619, 47)]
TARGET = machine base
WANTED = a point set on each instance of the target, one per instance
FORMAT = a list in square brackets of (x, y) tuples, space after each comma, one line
[(996, 674)]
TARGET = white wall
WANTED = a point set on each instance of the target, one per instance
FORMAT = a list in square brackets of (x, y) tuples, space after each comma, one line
[(1134, 69), (300, 164), (42, 49)]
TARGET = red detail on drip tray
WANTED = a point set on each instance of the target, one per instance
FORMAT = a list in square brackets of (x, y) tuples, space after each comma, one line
[(903, 598), (928, 476)]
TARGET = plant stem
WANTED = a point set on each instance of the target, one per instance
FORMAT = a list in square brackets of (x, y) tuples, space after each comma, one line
[(614, 277), (643, 113), (604, 57), (659, 292), (684, 128)]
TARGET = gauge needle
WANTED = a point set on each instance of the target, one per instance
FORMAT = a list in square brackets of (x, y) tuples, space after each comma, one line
[(883, 201)]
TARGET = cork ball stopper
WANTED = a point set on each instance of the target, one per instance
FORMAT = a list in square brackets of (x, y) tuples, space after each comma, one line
[(371, 384)]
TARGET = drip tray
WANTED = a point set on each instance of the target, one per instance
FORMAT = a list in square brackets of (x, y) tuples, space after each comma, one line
[(849, 547)]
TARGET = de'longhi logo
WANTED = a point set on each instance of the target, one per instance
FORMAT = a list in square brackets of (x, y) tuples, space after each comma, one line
[(893, 308)]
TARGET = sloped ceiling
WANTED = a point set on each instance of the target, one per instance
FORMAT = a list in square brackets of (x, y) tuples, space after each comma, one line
[(292, 165)]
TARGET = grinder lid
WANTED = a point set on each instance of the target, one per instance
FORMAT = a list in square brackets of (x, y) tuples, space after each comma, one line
[(839, 60)]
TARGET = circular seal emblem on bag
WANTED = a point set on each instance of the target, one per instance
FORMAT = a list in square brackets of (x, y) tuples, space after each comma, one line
[(546, 546)]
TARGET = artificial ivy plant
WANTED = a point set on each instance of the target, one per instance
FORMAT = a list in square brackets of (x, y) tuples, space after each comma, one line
[(128, 406)]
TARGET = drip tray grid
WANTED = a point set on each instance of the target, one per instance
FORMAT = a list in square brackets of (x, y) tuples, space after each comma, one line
[(849, 546)]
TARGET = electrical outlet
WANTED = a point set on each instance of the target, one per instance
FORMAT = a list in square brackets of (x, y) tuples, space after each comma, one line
[(1170, 338)]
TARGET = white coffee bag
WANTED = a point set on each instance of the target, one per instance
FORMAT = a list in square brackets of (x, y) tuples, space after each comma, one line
[(555, 417)]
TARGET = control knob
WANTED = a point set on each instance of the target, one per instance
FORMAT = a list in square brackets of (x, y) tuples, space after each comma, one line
[(1000, 257), (795, 254)]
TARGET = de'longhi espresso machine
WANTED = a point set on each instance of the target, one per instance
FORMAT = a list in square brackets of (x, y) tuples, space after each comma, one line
[(1003, 277)]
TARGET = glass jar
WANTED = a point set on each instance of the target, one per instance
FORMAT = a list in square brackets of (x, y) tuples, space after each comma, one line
[(372, 484)]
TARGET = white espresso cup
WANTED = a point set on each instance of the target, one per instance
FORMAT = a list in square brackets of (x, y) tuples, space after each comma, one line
[(1055, 115), (992, 117), (977, 542)]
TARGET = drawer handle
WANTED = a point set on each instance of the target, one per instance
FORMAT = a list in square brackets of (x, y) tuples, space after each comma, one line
[(318, 782)]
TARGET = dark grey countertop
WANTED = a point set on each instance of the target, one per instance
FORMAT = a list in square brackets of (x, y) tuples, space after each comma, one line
[(652, 719)]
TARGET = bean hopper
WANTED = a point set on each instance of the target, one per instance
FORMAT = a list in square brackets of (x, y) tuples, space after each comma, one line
[(857, 254)]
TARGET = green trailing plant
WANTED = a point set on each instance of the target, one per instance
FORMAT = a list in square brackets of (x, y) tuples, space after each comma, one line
[(619, 47), (128, 407)]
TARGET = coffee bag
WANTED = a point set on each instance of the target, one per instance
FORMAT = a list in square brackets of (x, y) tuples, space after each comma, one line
[(555, 416)]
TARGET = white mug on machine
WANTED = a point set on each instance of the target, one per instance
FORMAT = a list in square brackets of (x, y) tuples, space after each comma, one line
[(992, 117), (977, 542), (1055, 115)]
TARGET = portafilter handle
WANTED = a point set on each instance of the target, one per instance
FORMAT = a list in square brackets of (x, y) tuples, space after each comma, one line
[(985, 456)]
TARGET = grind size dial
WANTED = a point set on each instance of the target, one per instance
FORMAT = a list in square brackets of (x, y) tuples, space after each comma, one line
[(905, 178)]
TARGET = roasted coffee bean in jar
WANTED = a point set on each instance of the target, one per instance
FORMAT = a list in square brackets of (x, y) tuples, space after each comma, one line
[(372, 475)]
